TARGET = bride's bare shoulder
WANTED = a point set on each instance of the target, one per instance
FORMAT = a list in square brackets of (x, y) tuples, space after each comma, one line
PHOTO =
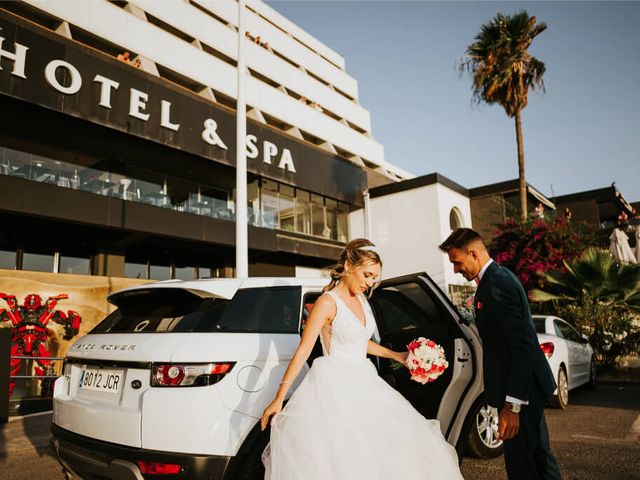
[(326, 306)]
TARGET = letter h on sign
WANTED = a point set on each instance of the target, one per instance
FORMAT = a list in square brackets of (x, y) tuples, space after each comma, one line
[(19, 58)]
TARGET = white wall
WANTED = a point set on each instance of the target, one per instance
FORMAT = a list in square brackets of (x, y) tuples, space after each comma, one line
[(447, 200), (408, 226), (309, 272)]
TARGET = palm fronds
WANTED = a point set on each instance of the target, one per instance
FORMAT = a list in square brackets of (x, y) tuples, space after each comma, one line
[(502, 68)]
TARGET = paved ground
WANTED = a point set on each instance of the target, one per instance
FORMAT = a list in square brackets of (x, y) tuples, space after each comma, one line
[(597, 437)]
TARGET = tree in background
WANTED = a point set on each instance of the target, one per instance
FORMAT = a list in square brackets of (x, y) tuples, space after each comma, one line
[(503, 71), (533, 248), (601, 297)]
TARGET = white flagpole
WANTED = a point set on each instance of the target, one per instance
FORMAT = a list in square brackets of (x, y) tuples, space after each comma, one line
[(242, 247)]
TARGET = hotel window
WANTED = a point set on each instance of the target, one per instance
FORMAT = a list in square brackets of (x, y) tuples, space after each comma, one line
[(269, 201), (318, 221), (184, 273), (159, 272), (343, 222), (331, 208), (37, 262), (286, 211), (74, 265), (253, 203), (7, 260), (136, 270), (303, 212)]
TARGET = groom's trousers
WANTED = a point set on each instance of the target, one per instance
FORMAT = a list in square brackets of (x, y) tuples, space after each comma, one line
[(528, 456)]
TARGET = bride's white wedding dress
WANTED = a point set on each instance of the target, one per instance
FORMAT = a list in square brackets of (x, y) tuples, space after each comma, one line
[(345, 423)]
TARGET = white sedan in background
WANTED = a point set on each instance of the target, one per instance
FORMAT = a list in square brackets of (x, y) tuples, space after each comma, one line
[(569, 355)]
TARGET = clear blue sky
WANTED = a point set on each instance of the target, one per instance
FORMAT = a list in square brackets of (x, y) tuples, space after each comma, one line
[(584, 133)]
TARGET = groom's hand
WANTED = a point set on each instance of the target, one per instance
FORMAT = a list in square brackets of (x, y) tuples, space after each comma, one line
[(508, 423)]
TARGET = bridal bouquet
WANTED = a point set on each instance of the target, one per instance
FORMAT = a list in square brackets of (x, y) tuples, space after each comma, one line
[(426, 360)]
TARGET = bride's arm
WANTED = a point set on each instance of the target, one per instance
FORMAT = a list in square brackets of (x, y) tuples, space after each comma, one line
[(379, 351), (323, 311)]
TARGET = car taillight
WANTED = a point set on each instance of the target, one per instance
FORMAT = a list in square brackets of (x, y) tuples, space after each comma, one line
[(547, 349), (188, 375), (156, 468)]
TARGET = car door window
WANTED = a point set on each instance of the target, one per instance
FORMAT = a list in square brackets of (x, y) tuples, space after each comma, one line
[(404, 308), (558, 330), (540, 324), (568, 332)]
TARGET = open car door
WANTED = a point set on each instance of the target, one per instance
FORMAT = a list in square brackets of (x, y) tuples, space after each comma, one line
[(413, 306)]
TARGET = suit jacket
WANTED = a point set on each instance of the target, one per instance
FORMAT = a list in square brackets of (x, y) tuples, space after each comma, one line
[(512, 357)]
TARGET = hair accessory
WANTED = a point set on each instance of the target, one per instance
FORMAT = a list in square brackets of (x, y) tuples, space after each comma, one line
[(370, 248)]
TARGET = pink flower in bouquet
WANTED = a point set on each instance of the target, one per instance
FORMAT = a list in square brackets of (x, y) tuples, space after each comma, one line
[(426, 360)]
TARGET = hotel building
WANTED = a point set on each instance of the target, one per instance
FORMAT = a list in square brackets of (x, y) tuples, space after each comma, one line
[(127, 168)]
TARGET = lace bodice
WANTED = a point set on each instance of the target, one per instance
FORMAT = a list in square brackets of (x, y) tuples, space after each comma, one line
[(347, 336)]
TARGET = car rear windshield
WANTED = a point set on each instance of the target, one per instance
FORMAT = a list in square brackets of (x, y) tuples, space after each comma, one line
[(267, 310), (539, 324)]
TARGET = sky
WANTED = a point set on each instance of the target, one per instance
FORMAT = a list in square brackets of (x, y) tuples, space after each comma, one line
[(581, 134)]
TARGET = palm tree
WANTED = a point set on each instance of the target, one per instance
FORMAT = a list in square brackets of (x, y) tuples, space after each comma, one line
[(503, 71), (601, 296), (596, 277)]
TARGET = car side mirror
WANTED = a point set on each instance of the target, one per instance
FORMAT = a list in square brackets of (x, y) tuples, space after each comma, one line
[(584, 338)]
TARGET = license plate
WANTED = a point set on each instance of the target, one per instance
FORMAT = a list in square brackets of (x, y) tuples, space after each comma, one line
[(101, 379)]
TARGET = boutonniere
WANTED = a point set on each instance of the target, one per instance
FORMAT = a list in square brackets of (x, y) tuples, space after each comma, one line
[(478, 305)]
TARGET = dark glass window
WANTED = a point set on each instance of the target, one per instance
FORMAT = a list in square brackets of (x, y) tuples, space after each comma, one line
[(556, 327), (539, 324), (266, 310), (273, 309), (568, 331), (135, 270), (405, 307), (184, 273), (7, 259), (37, 262), (159, 272), (75, 265)]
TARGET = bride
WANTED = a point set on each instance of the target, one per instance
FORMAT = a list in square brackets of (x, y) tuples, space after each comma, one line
[(344, 422)]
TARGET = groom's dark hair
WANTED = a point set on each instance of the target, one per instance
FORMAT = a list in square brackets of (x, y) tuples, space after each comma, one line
[(460, 238)]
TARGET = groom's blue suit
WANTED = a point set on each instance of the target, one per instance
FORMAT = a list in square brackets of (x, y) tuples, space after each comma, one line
[(514, 366)]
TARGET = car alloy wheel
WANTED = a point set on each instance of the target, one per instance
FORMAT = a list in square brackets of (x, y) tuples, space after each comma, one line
[(487, 425), (563, 387), (561, 398), (482, 439)]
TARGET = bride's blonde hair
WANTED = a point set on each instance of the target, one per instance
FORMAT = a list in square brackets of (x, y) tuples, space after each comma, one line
[(358, 251)]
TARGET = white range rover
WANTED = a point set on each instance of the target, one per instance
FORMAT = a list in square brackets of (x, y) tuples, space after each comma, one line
[(173, 382)]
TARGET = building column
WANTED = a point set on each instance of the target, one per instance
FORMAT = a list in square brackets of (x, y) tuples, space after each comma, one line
[(107, 265)]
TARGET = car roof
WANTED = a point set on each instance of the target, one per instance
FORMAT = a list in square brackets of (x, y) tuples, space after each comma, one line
[(227, 287)]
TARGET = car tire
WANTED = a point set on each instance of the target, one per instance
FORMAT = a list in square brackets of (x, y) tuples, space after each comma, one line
[(252, 467), (482, 441), (593, 381), (561, 398)]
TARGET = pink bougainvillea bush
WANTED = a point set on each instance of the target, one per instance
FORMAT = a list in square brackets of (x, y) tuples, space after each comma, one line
[(536, 247)]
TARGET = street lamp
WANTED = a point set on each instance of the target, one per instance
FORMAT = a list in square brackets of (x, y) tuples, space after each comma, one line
[(242, 247)]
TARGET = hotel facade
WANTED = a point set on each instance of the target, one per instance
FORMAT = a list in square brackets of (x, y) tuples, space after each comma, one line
[(127, 168)]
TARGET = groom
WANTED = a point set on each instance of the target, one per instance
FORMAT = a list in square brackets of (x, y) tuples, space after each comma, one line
[(517, 377)]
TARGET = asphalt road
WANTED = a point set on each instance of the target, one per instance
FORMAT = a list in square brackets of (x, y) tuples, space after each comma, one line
[(597, 437)]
